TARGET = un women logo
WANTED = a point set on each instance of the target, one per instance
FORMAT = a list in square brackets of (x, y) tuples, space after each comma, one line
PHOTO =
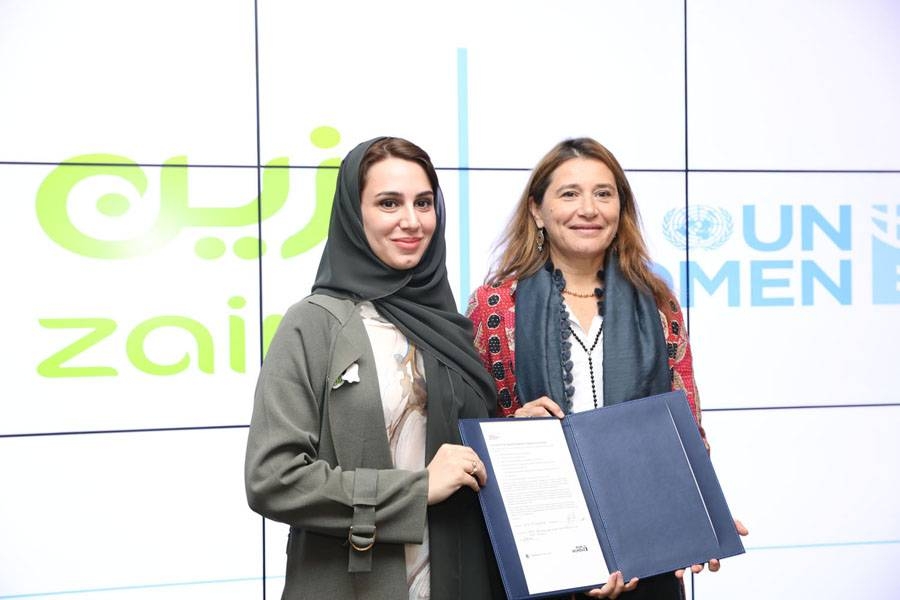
[(706, 227)]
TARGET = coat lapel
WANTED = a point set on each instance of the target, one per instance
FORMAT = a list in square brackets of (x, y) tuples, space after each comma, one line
[(356, 417)]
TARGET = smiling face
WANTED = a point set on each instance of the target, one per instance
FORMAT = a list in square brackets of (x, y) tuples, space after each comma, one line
[(579, 211), (398, 212)]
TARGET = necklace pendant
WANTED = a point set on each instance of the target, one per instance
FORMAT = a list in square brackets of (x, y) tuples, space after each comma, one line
[(589, 359)]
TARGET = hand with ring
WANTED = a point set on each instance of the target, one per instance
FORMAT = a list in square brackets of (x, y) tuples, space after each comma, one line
[(453, 467)]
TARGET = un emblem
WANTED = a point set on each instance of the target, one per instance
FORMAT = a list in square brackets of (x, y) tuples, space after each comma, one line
[(706, 227)]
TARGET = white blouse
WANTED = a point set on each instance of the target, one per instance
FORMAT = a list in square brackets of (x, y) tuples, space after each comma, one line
[(581, 369), (401, 379)]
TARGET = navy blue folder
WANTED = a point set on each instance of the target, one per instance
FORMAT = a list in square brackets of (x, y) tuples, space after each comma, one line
[(650, 488)]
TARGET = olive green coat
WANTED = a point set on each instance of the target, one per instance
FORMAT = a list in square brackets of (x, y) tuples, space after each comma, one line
[(309, 435)]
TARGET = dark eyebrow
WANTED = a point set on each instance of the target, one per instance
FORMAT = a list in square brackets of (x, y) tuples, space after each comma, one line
[(391, 194)]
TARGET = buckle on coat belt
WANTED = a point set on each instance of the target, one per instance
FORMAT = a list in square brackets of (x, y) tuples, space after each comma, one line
[(361, 537)]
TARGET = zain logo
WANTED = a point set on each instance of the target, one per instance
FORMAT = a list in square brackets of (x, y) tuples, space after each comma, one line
[(127, 224), (706, 227)]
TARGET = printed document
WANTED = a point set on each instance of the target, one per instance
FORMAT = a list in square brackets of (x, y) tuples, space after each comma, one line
[(548, 515)]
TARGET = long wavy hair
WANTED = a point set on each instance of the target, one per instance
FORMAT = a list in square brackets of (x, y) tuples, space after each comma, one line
[(520, 257)]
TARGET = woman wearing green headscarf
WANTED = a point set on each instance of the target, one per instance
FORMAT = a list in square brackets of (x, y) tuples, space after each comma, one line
[(353, 440)]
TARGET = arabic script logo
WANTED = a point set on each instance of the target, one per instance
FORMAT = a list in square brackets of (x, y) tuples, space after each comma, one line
[(706, 227), (138, 224)]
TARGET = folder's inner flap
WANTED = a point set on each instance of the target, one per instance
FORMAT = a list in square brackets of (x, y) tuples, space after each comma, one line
[(729, 541), (693, 475), (643, 487)]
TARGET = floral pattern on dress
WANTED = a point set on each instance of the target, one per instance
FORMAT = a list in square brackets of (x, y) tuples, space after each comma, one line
[(401, 379)]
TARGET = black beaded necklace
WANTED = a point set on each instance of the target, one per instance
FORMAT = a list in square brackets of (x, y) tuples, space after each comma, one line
[(590, 361), (566, 344)]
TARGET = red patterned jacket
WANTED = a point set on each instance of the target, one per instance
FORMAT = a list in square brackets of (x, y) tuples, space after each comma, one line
[(492, 310)]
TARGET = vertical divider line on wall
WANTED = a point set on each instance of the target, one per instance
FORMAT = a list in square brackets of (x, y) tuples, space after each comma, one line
[(686, 293), (259, 201), (462, 95), (687, 238)]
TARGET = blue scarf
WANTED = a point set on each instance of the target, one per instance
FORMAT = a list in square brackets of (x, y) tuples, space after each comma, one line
[(635, 360)]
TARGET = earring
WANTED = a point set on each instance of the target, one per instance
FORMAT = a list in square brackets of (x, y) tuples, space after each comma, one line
[(540, 240)]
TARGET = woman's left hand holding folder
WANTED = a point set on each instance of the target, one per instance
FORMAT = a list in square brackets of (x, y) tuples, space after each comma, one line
[(714, 563)]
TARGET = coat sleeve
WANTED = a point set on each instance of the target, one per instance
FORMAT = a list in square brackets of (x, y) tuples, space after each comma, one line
[(475, 313), (681, 363), (286, 479), (492, 312)]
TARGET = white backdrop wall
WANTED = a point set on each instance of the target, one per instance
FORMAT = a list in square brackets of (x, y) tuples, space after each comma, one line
[(166, 171)]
